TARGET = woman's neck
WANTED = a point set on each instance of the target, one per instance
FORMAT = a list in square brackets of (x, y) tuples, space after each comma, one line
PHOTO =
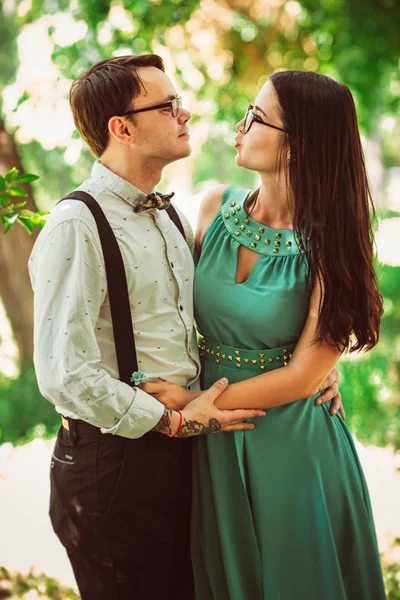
[(272, 206)]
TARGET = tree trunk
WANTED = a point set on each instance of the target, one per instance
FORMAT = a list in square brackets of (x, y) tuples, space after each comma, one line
[(15, 248)]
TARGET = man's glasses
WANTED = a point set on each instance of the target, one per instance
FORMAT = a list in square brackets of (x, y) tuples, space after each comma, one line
[(175, 104), (251, 117)]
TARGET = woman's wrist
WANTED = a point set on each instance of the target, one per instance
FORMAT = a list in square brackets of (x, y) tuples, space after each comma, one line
[(186, 398)]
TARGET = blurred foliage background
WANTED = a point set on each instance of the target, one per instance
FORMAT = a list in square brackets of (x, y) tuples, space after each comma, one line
[(218, 53)]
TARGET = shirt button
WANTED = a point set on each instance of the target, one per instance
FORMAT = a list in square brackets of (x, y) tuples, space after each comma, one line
[(181, 307), (172, 265)]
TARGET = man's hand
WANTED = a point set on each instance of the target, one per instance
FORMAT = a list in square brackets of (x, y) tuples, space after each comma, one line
[(201, 416), (331, 387), (172, 395)]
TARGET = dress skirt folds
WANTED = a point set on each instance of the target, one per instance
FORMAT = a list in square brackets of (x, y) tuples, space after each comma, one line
[(281, 512)]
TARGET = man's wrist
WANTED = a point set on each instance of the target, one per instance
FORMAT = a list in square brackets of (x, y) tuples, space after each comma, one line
[(169, 422)]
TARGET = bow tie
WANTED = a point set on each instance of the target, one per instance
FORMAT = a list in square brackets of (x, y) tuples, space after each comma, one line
[(154, 200)]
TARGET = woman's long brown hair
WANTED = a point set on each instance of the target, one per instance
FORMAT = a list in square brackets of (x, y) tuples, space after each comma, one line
[(333, 208)]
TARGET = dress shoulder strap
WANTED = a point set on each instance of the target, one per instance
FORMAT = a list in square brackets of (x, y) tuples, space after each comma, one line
[(233, 197)]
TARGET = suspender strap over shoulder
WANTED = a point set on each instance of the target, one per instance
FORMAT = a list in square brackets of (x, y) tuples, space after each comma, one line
[(173, 215), (117, 285), (117, 289)]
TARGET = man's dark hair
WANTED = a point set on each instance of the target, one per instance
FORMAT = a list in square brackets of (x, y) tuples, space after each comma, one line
[(106, 90)]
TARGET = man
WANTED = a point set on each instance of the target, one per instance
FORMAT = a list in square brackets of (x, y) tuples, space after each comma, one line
[(120, 498)]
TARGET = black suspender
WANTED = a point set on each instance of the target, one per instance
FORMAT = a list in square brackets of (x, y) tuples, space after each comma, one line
[(173, 215), (117, 285)]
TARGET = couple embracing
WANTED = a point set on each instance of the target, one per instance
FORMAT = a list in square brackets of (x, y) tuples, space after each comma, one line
[(209, 466)]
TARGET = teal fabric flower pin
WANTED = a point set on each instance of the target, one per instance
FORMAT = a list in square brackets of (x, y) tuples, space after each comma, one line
[(139, 377)]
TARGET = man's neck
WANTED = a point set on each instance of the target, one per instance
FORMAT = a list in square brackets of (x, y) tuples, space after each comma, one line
[(144, 177)]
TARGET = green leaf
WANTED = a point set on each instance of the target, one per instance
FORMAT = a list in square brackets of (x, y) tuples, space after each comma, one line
[(41, 219), (19, 204), (27, 213), (25, 96), (2, 183), (27, 223), (26, 178), (4, 199), (38, 218), (9, 220), (12, 175), (16, 190)]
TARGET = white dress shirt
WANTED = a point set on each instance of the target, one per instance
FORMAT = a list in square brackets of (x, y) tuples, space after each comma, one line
[(74, 351)]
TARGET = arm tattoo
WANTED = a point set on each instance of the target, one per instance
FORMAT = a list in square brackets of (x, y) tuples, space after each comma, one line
[(192, 428), (164, 424)]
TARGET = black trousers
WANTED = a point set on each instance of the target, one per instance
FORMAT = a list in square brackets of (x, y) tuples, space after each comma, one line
[(121, 508)]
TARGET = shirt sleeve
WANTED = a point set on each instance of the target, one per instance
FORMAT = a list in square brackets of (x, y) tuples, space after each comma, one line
[(69, 283)]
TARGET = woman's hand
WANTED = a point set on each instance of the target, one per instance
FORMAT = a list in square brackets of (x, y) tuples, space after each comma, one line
[(332, 393), (173, 396)]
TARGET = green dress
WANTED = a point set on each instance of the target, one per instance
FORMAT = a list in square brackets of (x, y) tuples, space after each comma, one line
[(281, 512)]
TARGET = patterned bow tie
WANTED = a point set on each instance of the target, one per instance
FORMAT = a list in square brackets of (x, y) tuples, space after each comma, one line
[(154, 200)]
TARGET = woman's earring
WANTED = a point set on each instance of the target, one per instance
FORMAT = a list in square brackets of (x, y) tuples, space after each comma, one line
[(288, 159)]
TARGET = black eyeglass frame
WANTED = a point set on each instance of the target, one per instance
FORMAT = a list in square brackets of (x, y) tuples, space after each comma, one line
[(255, 118), (175, 104)]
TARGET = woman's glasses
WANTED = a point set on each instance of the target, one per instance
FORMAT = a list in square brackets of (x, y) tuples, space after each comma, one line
[(251, 117)]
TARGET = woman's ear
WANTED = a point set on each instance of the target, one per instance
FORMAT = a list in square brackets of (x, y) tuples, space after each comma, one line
[(121, 130)]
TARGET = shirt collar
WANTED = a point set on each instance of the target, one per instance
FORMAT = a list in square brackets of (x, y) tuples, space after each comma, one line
[(114, 183)]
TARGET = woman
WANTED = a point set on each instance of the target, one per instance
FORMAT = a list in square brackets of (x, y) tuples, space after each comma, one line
[(285, 283)]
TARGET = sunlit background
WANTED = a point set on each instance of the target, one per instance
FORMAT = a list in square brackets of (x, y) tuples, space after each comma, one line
[(218, 53)]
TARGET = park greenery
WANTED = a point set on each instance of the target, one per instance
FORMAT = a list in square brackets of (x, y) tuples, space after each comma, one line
[(219, 52), (19, 585), (12, 212)]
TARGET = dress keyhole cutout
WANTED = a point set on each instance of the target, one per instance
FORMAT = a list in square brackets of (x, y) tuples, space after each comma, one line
[(246, 262)]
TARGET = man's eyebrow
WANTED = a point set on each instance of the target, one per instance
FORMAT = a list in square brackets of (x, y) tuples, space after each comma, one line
[(170, 97), (261, 110)]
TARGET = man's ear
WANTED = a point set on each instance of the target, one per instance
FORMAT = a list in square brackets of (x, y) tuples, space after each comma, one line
[(121, 129)]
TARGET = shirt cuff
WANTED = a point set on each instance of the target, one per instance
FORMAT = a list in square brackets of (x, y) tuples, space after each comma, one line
[(143, 414)]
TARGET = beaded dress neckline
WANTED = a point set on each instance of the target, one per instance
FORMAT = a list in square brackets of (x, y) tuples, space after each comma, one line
[(256, 235)]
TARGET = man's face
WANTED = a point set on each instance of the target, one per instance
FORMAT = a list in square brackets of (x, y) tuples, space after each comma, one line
[(158, 136)]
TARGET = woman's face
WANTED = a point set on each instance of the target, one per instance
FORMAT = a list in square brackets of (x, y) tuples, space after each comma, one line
[(259, 148)]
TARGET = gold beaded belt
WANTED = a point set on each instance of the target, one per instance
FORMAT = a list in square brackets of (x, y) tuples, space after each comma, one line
[(261, 360)]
